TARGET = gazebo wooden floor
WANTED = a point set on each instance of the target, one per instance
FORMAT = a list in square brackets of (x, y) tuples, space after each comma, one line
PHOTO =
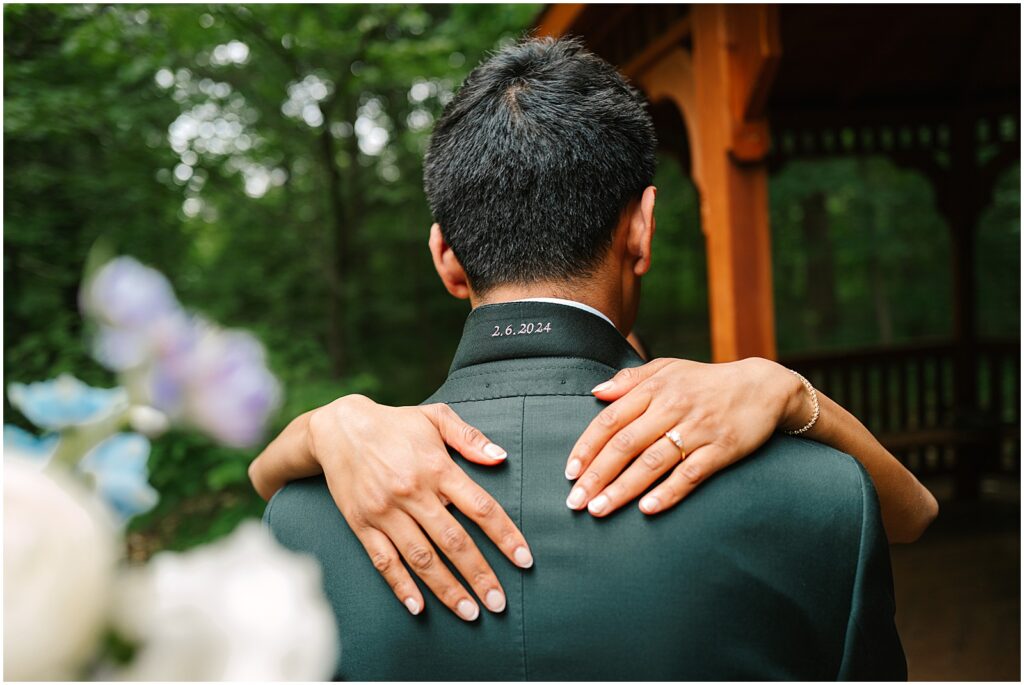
[(958, 588)]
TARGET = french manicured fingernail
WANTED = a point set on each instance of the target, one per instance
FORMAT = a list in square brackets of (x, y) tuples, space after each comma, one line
[(573, 469), (495, 601), (602, 387), (649, 504), (467, 610), (412, 605), (523, 557), (494, 452), (598, 504), (576, 498)]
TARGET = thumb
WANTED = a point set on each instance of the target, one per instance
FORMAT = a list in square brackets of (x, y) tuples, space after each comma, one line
[(627, 379), (464, 438)]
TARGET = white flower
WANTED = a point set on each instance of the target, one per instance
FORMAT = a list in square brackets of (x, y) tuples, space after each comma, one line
[(149, 421), (59, 559), (242, 608)]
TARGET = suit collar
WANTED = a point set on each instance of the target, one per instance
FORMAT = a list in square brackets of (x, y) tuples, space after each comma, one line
[(568, 303), (531, 329)]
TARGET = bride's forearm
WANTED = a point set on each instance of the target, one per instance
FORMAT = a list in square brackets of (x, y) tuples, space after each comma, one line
[(908, 508), (288, 457)]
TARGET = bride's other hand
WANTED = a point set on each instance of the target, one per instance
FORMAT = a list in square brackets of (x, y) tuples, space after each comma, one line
[(392, 478), (721, 413)]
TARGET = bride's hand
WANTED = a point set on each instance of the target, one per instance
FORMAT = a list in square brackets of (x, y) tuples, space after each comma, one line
[(722, 412), (392, 477)]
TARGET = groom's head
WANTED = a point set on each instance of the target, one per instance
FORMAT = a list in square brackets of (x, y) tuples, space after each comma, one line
[(539, 172)]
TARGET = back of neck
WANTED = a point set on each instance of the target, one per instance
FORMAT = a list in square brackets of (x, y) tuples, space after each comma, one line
[(592, 294)]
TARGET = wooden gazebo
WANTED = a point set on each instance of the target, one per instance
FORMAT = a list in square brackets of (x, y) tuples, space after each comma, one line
[(739, 90)]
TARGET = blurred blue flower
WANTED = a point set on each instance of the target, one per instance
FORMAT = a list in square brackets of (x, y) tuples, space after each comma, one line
[(65, 401), (118, 467), (126, 294), (21, 442)]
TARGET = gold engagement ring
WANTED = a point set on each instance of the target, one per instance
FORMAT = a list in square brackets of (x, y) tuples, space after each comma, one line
[(677, 440)]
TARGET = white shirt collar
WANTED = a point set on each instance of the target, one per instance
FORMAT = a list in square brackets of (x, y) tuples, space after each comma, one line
[(568, 303)]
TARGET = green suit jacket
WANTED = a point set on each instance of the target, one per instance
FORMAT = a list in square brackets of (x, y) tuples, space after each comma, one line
[(776, 568)]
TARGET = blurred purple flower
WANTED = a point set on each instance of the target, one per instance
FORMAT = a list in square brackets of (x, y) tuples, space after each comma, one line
[(118, 466), (180, 364), (173, 363), (65, 401), (126, 294), (214, 379), (231, 394), (120, 349)]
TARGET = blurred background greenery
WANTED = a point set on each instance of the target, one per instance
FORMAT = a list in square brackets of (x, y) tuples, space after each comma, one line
[(268, 159)]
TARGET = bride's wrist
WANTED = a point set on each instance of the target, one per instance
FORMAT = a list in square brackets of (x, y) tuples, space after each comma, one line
[(796, 408), (327, 428), (781, 388), (306, 423)]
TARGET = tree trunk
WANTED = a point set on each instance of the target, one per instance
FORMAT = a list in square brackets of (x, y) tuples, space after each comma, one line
[(820, 268), (879, 293), (875, 228), (337, 344)]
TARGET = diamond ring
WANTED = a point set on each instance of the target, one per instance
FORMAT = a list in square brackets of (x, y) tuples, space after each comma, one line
[(677, 440)]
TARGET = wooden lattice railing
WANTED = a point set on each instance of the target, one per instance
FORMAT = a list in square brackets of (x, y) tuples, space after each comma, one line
[(906, 396)]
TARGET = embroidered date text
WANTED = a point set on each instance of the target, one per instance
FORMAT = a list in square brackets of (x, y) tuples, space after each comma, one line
[(530, 328)]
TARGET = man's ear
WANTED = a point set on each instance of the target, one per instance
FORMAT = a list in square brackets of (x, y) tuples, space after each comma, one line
[(447, 265), (641, 231)]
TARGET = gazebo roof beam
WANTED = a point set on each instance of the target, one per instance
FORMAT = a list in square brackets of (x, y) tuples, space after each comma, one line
[(614, 23), (556, 20), (670, 38), (931, 114)]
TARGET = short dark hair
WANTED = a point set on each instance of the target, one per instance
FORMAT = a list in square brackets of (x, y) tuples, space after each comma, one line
[(534, 160)]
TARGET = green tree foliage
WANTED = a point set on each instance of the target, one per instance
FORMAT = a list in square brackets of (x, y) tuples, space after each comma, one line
[(998, 260), (268, 159), (673, 318), (862, 257)]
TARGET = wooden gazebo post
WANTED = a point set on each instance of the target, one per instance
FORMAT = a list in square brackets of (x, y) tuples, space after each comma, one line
[(734, 58), (720, 87), (940, 96)]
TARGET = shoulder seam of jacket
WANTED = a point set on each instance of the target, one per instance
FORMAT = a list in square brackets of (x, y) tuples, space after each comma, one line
[(519, 394), (592, 367), (270, 508)]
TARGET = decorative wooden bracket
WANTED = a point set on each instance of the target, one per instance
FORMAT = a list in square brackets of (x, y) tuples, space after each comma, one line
[(753, 54)]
